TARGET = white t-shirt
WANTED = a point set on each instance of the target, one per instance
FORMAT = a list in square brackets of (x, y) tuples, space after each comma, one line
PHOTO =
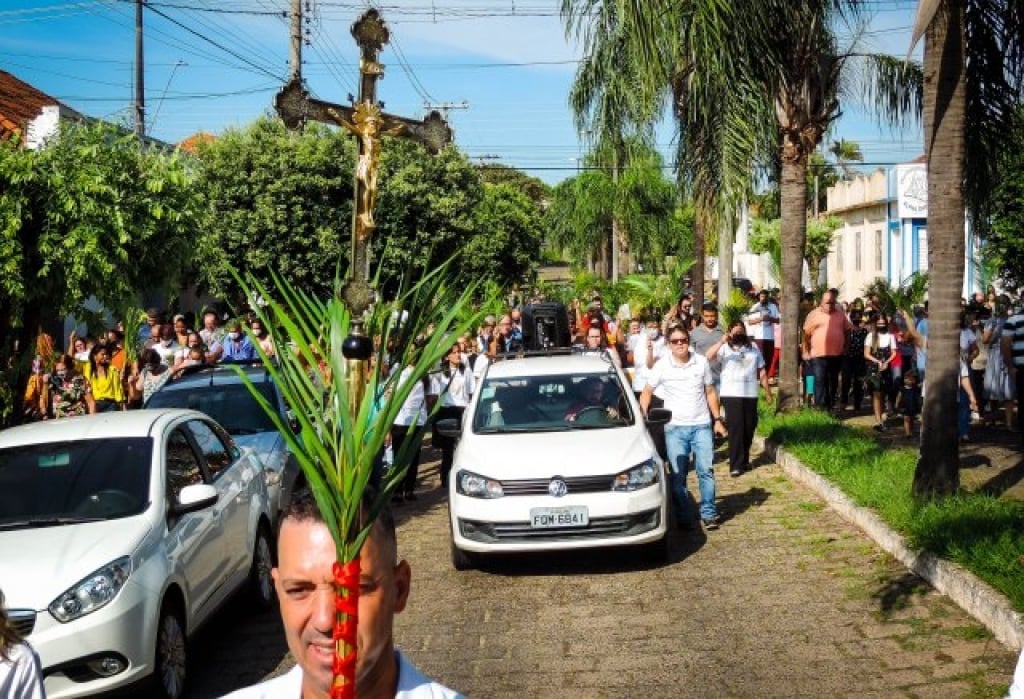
[(880, 341), (454, 390), (1017, 688), (640, 370), (22, 677), (765, 330), (740, 367), (683, 388), (412, 684), (414, 409)]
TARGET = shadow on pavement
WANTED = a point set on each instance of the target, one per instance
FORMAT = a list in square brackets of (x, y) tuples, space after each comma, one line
[(895, 593), (735, 504)]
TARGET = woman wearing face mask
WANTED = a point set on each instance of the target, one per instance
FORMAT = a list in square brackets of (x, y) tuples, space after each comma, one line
[(878, 355), (237, 346), (453, 386), (262, 337), (153, 375), (742, 370), (66, 390)]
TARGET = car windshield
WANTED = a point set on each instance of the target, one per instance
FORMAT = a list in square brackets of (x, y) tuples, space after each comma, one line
[(555, 403), (71, 482), (229, 404)]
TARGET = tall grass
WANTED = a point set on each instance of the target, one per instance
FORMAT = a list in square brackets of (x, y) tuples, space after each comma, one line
[(978, 531)]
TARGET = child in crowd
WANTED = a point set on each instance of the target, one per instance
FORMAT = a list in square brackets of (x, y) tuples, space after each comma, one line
[(910, 396)]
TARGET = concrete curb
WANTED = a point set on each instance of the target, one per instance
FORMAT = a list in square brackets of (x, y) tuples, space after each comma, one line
[(974, 596)]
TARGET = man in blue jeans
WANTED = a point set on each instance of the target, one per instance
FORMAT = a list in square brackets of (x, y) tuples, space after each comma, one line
[(687, 387)]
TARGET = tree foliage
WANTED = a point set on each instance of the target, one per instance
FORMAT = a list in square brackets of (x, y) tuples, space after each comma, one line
[(274, 201), (1004, 244), (532, 187), (89, 215)]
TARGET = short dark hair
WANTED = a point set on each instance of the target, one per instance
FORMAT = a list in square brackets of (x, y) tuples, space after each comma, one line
[(303, 507), (708, 306)]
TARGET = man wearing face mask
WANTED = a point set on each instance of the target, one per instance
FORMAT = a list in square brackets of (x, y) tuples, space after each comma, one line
[(168, 345), (237, 347)]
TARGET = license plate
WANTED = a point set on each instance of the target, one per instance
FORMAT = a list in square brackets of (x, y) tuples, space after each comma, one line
[(543, 517)]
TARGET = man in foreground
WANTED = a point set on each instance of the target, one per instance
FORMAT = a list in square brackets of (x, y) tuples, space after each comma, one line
[(304, 580)]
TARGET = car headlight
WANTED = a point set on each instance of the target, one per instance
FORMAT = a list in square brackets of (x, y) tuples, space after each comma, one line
[(475, 486), (640, 476), (92, 592)]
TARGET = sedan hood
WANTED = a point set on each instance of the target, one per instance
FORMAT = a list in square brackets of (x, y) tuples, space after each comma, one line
[(38, 564), (265, 444), (576, 452)]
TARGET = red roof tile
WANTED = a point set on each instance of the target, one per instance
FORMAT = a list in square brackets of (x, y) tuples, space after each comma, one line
[(20, 103)]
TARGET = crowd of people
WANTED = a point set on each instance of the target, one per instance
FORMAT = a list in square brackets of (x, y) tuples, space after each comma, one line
[(94, 375)]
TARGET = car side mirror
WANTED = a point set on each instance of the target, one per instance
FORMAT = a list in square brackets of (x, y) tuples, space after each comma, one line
[(194, 497), (658, 416), (449, 427)]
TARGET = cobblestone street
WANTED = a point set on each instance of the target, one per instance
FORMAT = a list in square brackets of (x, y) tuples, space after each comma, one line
[(785, 600)]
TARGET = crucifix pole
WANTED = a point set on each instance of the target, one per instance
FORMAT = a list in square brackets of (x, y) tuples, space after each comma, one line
[(369, 124)]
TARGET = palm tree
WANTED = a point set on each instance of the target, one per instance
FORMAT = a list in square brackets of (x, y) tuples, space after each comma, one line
[(845, 152), (971, 88), (753, 82)]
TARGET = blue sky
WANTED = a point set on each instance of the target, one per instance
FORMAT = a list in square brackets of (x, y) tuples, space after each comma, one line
[(211, 70)]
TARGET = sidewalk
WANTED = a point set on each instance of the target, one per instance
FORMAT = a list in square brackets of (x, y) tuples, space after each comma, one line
[(990, 462)]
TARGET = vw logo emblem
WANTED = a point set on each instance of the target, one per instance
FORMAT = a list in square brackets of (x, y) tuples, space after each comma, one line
[(557, 488)]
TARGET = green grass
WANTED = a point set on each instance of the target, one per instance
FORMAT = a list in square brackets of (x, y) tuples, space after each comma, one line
[(980, 532)]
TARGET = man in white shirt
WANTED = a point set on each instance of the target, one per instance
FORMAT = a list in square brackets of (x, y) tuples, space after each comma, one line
[(304, 578), (689, 392), (761, 321)]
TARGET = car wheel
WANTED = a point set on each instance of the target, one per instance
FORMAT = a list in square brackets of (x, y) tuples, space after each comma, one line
[(462, 560), (171, 665), (261, 583)]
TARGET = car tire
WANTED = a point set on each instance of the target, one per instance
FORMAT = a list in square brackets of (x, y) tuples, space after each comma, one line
[(170, 666), (462, 560), (261, 583)]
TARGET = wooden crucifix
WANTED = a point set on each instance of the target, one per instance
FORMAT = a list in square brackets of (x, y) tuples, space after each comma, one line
[(369, 123)]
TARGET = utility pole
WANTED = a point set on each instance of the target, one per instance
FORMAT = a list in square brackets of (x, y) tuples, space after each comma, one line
[(445, 107), (295, 60), (140, 73)]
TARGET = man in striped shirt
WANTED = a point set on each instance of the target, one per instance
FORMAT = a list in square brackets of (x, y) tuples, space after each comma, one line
[(1012, 347)]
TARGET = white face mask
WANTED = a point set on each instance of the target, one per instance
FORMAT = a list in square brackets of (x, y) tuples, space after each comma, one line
[(652, 333), (233, 335)]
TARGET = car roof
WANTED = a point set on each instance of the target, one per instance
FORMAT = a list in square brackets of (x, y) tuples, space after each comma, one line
[(219, 375), (550, 365), (131, 423)]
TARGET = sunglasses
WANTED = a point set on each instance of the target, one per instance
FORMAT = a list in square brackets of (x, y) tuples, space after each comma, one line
[(678, 341)]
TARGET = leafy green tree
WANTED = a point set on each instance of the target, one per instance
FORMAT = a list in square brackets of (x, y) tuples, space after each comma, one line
[(973, 77), (532, 187), (274, 201), (89, 215), (508, 231), (766, 237), (1003, 247)]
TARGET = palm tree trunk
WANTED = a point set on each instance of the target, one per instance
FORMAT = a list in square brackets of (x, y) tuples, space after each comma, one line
[(616, 233), (724, 260), (793, 212), (697, 273), (945, 91)]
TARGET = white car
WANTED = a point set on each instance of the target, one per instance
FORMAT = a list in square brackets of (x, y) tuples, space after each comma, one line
[(554, 454), (120, 534)]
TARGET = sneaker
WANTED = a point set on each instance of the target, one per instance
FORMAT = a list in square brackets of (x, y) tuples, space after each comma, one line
[(879, 427), (712, 522), (736, 473)]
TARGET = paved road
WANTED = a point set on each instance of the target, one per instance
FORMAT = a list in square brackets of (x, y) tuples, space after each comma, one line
[(785, 600)]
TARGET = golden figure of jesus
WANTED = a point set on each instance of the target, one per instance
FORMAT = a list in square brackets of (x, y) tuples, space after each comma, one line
[(367, 123)]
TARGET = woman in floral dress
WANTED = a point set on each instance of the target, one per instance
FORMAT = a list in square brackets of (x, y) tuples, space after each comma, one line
[(67, 390)]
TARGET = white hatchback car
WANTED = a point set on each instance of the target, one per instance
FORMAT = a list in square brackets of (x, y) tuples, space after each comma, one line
[(554, 454), (120, 534)]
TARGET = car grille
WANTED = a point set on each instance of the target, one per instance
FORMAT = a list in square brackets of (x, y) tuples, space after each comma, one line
[(539, 486), (23, 620), (599, 527)]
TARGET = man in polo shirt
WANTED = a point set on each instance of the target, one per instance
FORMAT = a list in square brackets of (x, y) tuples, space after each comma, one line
[(824, 344), (1012, 348), (685, 383)]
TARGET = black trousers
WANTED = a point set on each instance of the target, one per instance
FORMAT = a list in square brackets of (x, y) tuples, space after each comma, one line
[(446, 444), (399, 435), (852, 381), (741, 416)]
